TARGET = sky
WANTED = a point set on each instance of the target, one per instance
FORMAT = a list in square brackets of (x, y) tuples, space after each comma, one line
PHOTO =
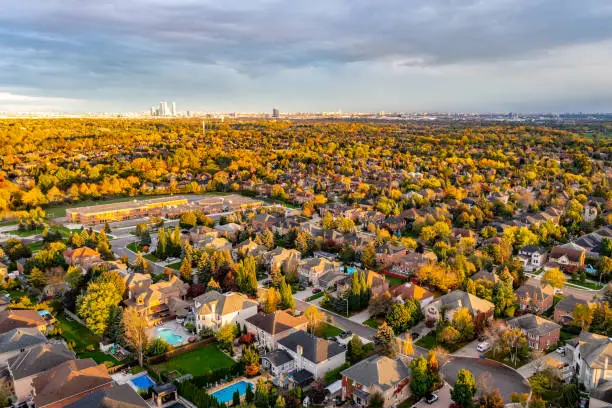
[(306, 55)]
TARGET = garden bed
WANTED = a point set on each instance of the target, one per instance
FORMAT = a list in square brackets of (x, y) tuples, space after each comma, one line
[(315, 296)]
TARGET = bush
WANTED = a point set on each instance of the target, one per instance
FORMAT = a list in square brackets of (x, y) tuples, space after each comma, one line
[(157, 347)]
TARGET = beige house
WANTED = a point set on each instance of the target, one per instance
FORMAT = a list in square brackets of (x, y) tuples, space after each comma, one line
[(285, 259), (215, 310), (269, 328), (447, 305), (153, 299), (312, 269)]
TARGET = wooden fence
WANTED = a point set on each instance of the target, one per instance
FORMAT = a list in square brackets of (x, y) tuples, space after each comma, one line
[(180, 350)]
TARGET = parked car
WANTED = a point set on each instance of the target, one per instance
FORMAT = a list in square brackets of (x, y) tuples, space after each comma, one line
[(482, 347), (431, 397), (558, 291), (560, 350), (316, 290), (415, 335), (345, 334)]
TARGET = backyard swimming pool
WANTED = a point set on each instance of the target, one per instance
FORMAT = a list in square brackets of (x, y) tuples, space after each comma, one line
[(350, 270), (225, 395), (171, 337), (143, 382)]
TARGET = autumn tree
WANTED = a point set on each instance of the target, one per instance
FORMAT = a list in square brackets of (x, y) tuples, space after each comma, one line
[(135, 332), (96, 304), (314, 317), (553, 277), (464, 389)]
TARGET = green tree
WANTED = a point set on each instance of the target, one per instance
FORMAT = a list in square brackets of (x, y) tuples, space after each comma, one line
[(385, 337), (74, 277), (464, 390), (261, 394), (157, 346), (503, 299), (37, 278), (236, 398), (249, 395), (354, 350), (376, 400), (286, 296), (463, 322), (96, 305), (420, 382)]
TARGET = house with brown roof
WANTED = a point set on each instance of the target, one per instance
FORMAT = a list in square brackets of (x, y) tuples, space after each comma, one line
[(390, 253), (374, 374), (84, 257), (409, 290), (269, 328), (69, 382), (153, 299), (409, 263), (215, 310), (541, 334), (447, 305), (536, 299), (568, 257), (14, 319), (285, 259)]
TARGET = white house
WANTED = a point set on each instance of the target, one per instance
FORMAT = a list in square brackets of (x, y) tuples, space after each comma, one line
[(532, 256), (591, 356), (215, 310)]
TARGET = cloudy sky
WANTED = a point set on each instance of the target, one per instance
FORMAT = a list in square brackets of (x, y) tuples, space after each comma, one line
[(306, 55)]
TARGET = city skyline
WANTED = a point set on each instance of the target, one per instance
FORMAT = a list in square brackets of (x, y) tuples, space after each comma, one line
[(394, 56)]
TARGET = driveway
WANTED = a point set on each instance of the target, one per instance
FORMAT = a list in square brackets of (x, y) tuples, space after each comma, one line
[(469, 350), (444, 399), (501, 377), (530, 368)]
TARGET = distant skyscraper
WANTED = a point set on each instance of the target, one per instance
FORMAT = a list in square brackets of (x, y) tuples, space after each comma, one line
[(173, 109), (275, 113), (163, 108), (153, 111)]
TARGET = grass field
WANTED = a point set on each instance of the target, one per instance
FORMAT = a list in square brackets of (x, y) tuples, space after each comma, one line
[(393, 281), (197, 362), (429, 342), (151, 257), (36, 246), (26, 233), (327, 330), (82, 337), (373, 322), (134, 247), (175, 265)]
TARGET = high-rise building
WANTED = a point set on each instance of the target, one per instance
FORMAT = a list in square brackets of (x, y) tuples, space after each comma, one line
[(275, 113), (153, 111), (163, 108), (173, 109)]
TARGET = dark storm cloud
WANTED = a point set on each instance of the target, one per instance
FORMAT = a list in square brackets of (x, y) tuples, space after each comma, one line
[(65, 45)]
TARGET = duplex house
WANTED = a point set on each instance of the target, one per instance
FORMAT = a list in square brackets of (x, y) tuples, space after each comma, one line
[(591, 356), (13, 319), (312, 269), (84, 257), (532, 256), (25, 366), (269, 328), (215, 310), (411, 290), (69, 382), (376, 374), (302, 351), (565, 308), (447, 305), (568, 257), (153, 299), (541, 334), (536, 299)]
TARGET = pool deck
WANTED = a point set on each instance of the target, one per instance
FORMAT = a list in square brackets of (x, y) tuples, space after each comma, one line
[(121, 378), (176, 328), (219, 387)]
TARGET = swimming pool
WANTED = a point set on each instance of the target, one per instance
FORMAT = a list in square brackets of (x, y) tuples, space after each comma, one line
[(224, 395), (350, 271), (143, 382), (171, 337)]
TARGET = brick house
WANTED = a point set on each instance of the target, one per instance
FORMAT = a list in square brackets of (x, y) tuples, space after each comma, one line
[(565, 308), (390, 253), (541, 334), (568, 257), (535, 298), (84, 257)]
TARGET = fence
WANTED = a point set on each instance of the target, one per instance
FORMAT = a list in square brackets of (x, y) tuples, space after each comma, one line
[(180, 350)]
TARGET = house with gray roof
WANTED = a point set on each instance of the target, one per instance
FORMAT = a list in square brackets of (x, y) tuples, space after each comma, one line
[(445, 306), (117, 396), (25, 366), (302, 351), (591, 356), (564, 309), (377, 373), (541, 334), (19, 341)]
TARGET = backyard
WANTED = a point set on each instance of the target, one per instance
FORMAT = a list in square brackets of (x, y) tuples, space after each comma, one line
[(197, 362), (81, 339), (393, 281)]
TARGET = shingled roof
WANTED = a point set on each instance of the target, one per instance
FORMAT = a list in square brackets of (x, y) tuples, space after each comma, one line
[(314, 348), (378, 371), (276, 322)]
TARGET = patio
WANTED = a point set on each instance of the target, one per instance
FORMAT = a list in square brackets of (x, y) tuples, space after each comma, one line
[(177, 328)]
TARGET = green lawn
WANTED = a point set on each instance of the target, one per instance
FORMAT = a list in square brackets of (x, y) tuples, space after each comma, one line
[(372, 322), (26, 233), (429, 342), (197, 362), (393, 281), (315, 296), (82, 337), (327, 330), (587, 284), (134, 247), (501, 358), (176, 265), (36, 246), (151, 257)]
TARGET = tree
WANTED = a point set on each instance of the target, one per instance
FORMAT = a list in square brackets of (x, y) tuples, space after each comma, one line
[(493, 399), (583, 316), (74, 277), (249, 395), (157, 346), (226, 335), (37, 278), (464, 323), (503, 299), (314, 317), (186, 270), (464, 390), (287, 301), (420, 382), (267, 239), (280, 402), (368, 256), (385, 338), (376, 400), (513, 345), (380, 305), (135, 332), (272, 300), (261, 394), (96, 305), (398, 318), (553, 277), (236, 398), (115, 326)]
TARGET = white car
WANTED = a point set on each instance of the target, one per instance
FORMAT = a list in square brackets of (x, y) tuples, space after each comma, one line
[(484, 346), (560, 350)]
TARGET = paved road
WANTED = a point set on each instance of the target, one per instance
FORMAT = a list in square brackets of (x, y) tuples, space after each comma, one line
[(502, 377), (570, 290), (119, 247)]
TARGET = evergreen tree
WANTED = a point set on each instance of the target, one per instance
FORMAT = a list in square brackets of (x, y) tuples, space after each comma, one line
[(162, 244), (249, 395), (464, 390), (287, 301), (236, 398)]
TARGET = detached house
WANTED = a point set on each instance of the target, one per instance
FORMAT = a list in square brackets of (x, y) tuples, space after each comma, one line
[(153, 300), (568, 257), (285, 259), (84, 257), (411, 290), (447, 305), (269, 328), (15, 319), (312, 269), (215, 310), (565, 308), (304, 357), (532, 256), (536, 299), (376, 374), (390, 253), (591, 356), (541, 334)]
